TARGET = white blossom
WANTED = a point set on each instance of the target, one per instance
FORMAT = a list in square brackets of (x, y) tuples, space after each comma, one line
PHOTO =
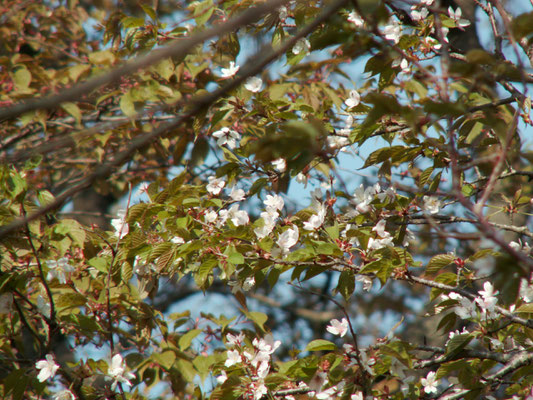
[(487, 301), (316, 220), (238, 217), (222, 377), (235, 340), (357, 396), (117, 372), (226, 136), (121, 226), (457, 17), (403, 64), (288, 238), (64, 395), (392, 31), (215, 185), (430, 383), (301, 46), (366, 281), (143, 188), (283, 13), (337, 142), (230, 71), (419, 15), (253, 84), (356, 19), (248, 283), (376, 244), (526, 291), (177, 240), (269, 222), (48, 368), (43, 306), (362, 198), (280, 164), (431, 204), (301, 178), (337, 327), (233, 357), (274, 202), (237, 194), (58, 269), (210, 216), (427, 2), (354, 98)]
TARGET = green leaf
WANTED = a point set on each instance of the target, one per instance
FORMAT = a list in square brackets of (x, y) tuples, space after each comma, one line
[(438, 262), (186, 340), (104, 57), (70, 300), (73, 229), (320, 345), (258, 318), (346, 284), (235, 258), (127, 106), (525, 308), (457, 343), (22, 78), (166, 359)]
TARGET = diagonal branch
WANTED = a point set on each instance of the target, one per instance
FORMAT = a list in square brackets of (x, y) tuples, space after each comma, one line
[(178, 49)]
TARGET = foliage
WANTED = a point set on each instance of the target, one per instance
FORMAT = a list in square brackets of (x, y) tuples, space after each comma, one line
[(413, 282)]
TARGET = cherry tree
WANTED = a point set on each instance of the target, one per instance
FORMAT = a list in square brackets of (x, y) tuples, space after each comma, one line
[(266, 200)]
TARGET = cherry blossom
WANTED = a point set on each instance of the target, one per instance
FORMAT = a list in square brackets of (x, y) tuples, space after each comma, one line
[(269, 218), (230, 71), (430, 383), (526, 291), (177, 240), (283, 13), (226, 136), (233, 357), (403, 64), (210, 216), (43, 306), (354, 98), (419, 15), (288, 238), (337, 142), (356, 19), (301, 46), (222, 377), (392, 31), (237, 194), (337, 327), (117, 372), (58, 269), (253, 84), (64, 395), (362, 198), (121, 226), (236, 216), (235, 340), (457, 17), (274, 202), (47, 367), (316, 220), (431, 204), (280, 164), (215, 185)]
